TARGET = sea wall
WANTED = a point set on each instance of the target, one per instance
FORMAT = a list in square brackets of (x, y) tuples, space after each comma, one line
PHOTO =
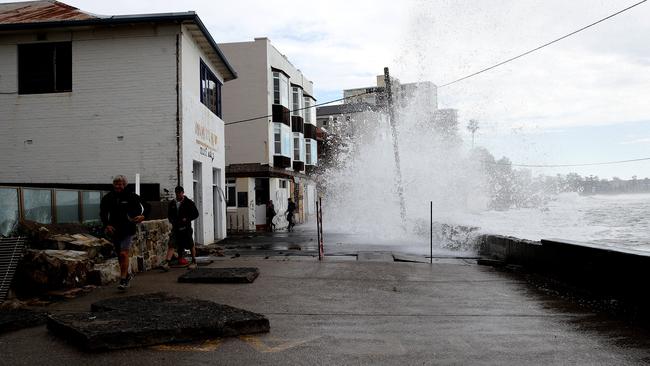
[(602, 271)]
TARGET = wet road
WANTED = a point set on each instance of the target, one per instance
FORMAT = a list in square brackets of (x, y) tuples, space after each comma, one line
[(342, 311)]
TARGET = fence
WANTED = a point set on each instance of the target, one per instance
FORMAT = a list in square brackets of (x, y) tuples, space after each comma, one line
[(47, 206)]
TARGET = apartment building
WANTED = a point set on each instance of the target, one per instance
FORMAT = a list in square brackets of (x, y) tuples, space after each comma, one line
[(270, 157), (85, 97)]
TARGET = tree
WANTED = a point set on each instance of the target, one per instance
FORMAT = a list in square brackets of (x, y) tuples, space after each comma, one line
[(472, 126)]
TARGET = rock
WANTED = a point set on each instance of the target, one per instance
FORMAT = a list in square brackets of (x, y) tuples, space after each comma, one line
[(105, 273), (208, 250), (145, 320), (82, 242), (45, 270), (220, 275)]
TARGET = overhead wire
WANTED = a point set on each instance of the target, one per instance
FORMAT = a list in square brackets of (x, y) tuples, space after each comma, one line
[(544, 45), (568, 165), (300, 109)]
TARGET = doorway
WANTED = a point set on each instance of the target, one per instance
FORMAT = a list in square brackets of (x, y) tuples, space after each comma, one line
[(217, 196), (197, 188)]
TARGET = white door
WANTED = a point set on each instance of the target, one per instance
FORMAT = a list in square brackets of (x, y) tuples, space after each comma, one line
[(217, 196), (198, 200)]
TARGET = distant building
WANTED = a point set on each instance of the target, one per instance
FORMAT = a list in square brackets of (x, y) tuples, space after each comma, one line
[(424, 93), (85, 97), (445, 121), (366, 107), (268, 158)]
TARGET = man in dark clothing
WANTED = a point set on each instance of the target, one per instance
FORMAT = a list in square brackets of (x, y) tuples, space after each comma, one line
[(291, 207), (180, 214), (120, 211), (270, 214)]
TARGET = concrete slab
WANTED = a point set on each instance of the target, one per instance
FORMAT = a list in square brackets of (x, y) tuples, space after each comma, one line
[(14, 319), (375, 257), (144, 320), (220, 275), (401, 257)]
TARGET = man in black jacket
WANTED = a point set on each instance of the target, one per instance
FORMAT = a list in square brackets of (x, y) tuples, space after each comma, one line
[(120, 211), (291, 208), (180, 214)]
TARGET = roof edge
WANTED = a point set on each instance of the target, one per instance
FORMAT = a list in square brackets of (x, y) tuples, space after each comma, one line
[(189, 16)]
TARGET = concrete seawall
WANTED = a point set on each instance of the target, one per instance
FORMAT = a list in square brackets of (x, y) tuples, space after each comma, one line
[(611, 274)]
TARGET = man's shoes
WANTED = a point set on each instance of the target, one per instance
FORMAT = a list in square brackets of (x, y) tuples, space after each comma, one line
[(125, 283), (192, 265), (165, 265), (183, 262)]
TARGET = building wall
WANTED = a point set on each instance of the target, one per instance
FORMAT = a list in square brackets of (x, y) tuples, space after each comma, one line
[(202, 141), (123, 84), (250, 95)]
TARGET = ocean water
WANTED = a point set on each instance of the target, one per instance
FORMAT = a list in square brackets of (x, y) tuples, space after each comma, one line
[(616, 220)]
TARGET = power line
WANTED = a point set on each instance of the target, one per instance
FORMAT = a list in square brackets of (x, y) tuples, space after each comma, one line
[(544, 45), (300, 109), (569, 165)]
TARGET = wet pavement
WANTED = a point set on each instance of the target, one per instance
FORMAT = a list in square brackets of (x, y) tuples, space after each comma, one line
[(343, 311)]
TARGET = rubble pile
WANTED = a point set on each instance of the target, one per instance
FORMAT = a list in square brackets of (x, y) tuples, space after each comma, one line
[(63, 263)]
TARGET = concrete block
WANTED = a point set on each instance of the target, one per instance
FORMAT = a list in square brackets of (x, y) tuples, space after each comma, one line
[(144, 320), (220, 275)]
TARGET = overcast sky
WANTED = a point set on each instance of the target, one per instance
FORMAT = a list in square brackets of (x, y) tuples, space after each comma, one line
[(582, 100)]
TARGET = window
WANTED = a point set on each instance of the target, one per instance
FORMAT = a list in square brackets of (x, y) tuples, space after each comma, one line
[(282, 140), (308, 152), (44, 68), (210, 90), (280, 89), (298, 147), (308, 110), (231, 196), (283, 184), (67, 206), (9, 210), (38, 205), (277, 138), (90, 205), (297, 102)]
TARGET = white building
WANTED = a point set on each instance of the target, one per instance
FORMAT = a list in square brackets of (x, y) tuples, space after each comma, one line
[(268, 158), (85, 97)]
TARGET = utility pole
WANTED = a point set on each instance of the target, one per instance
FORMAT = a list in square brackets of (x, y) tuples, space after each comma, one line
[(393, 127)]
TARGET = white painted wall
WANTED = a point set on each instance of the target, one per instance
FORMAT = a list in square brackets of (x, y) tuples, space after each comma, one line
[(123, 85), (196, 115), (251, 95), (245, 97)]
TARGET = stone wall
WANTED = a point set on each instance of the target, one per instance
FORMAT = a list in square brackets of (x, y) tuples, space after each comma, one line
[(149, 245)]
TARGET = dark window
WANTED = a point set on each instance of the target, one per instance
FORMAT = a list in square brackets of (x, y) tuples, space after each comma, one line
[(210, 90), (242, 199), (44, 68), (231, 196)]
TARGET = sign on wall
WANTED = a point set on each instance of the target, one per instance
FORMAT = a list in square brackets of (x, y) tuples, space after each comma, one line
[(206, 139)]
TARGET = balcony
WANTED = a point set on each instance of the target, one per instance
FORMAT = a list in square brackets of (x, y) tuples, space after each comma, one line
[(280, 161), (297, 124), (298, 166), (281, 114), (310, 131)]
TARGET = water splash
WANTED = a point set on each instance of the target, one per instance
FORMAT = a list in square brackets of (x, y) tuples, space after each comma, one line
[(360, 194)]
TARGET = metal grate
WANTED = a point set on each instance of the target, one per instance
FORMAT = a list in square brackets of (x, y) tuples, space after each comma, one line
[(11, 251)]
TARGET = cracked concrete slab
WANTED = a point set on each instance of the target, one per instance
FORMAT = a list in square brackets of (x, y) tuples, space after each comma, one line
[(151, 319)]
